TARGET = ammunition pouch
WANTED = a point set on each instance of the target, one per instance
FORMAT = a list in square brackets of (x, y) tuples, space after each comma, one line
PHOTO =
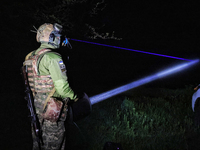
[(53, 110)]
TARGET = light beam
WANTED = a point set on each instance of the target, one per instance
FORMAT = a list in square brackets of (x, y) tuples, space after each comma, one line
[(100, 97), (132, 50)]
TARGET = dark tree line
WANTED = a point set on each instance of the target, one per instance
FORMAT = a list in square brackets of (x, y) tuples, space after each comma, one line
[(80, 18)]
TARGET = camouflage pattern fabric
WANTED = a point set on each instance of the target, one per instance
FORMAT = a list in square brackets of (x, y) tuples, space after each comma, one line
[(39, 102), (53, 133), (38, 83), (52, 110), (45, 74), (51, 67), (53, 136)]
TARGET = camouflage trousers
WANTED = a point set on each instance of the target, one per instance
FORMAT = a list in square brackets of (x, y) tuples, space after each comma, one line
[(53, 136)]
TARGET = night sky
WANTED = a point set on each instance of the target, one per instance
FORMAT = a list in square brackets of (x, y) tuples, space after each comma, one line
[(170, 28)]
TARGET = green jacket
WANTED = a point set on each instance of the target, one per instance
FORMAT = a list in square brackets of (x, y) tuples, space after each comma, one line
[(52, 64)]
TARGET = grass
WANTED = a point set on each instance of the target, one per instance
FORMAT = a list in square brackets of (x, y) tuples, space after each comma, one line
[(162, 119), (141, 119)]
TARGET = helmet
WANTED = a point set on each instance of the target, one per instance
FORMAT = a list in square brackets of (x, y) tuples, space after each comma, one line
[(49, 33)]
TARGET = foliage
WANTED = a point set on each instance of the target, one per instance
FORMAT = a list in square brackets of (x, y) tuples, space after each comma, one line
[(79, 17), (159, 120)]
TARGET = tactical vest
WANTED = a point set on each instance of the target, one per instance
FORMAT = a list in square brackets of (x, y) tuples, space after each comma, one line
[(41, 85)]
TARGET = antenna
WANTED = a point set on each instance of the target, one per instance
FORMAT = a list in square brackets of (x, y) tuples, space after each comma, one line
[(33, 30)]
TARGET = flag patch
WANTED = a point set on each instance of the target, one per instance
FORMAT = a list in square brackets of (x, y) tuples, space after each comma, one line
[(62, 66), (60, 62)]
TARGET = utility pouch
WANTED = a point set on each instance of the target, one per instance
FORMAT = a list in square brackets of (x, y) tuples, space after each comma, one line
[(64, 111), (52, 110)]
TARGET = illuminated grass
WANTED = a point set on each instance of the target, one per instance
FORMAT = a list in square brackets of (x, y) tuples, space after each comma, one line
[(162, 119)]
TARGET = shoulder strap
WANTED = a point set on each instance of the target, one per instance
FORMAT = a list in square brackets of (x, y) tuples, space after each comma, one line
[(30, 54), (51, 94), (39, 59)]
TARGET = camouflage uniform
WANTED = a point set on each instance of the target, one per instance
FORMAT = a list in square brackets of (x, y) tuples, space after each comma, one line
[(53, 136), (51, 73)]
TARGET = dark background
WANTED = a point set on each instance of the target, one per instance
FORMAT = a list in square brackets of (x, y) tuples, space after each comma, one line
[(170, 28)]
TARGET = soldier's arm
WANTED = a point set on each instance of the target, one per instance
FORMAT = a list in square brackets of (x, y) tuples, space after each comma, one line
[(57, 70)]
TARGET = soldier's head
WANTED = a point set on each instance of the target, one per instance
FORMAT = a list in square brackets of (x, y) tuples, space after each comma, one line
[(49, 33)]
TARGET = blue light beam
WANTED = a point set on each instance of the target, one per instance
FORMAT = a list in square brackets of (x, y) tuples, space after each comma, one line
[(100, 97), (132, 50)]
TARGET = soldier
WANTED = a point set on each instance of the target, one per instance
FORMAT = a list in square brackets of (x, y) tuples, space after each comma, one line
[(50, 88)]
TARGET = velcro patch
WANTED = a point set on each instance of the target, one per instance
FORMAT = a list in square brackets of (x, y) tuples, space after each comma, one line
[(62, 66)]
